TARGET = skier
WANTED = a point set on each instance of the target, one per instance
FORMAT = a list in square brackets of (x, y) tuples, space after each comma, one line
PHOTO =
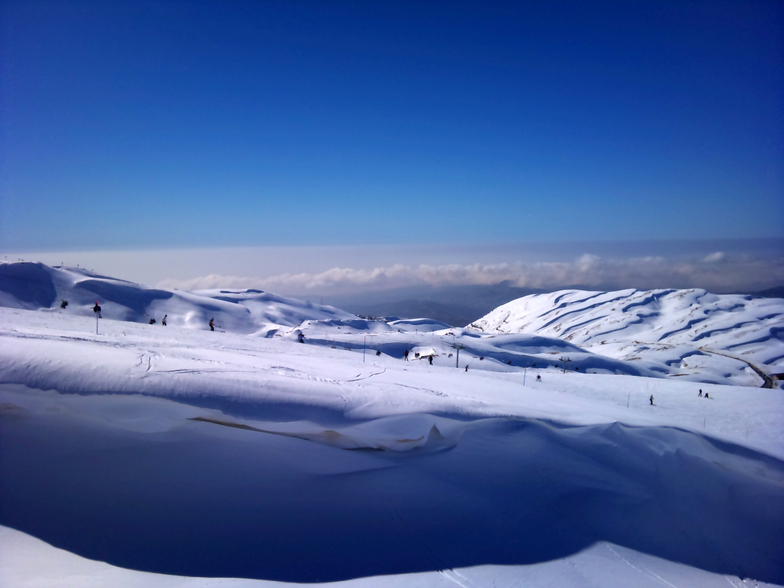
[(163, 321), (430, 358), (706, 395), (651, 399), (212, 324), (466, 367), (700, 394), (63, 304), (300, 337), (405, 355), (152, 321), (538, 378), (97, 309)]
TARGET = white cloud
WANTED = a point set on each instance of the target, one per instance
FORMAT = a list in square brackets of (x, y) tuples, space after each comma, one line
[(714, 257), (734, 274), (719, 266)]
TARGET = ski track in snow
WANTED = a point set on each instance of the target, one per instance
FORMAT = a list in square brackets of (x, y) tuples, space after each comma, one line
[(458, 578), (643, 570)]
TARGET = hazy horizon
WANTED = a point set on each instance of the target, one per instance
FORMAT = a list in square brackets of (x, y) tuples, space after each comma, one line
[(718, 265)]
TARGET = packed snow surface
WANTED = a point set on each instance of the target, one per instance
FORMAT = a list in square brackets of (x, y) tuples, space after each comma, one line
[(165, 456)]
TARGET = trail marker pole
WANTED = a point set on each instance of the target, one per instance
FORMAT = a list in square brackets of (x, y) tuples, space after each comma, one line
[(96, 323), (525, 370), (363, 350), (629, 397)]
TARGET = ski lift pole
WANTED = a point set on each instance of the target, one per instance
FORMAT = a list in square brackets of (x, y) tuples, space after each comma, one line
[(457, 346)]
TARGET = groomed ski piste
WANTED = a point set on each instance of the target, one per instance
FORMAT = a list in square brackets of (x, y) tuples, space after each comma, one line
[(144, 455)]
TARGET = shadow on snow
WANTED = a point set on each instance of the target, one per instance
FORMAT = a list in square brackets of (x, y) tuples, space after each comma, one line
[(204, 500)]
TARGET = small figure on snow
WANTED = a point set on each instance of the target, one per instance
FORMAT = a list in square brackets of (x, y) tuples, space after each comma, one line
[(405, 355), (430, 359), (651, 399), (212, 324), (97, 309), (163, 320), (466, 367), (700, 394), (152, 321), (706, 395), (301, 337), (538, 378), (378, 352), (63, 304)]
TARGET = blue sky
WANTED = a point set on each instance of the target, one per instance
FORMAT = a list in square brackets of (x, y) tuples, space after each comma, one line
[(138, 125)]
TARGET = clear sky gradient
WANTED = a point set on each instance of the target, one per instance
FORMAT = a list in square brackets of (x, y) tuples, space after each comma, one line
[(208, 126), (163, 124)]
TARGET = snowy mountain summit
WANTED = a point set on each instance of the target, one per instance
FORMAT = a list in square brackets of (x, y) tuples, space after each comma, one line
[(692, 331)]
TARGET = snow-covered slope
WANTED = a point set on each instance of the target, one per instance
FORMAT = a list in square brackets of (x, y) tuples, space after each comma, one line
[(144, 455), (186, 452), (36, 286), (690, 332)]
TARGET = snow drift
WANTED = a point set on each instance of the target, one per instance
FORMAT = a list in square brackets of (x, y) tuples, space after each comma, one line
[(199, 499)]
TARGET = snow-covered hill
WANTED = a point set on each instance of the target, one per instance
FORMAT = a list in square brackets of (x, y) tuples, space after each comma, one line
[(144, 455), (692, 333), (35, 286), (688, 334)]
